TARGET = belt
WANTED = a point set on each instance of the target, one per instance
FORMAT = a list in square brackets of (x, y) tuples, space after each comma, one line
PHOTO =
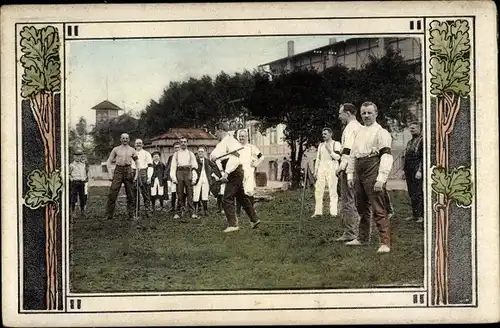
[(368, 156), (126, 165), (184, 167)]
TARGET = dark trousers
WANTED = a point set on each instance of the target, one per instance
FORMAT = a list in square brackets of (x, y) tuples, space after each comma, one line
[(239, 205), (77, 193), (348, 211), (185, 189), (144, 189), (369, 201), (122, 174), (416, 193), (234, 191)]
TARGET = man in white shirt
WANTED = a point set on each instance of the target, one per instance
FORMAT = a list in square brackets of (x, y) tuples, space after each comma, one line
[(202, 185), (145, 172), (183, 175), (325, 166), (78, 177), (250, 158), (348, 211), (368, 169), (227, 154)]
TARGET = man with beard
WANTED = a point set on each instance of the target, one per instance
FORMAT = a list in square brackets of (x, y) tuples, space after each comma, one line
[(123, 156), (325, 166), (182, 173), (227, 152), (413, 158), (368, 169), (158, 180)]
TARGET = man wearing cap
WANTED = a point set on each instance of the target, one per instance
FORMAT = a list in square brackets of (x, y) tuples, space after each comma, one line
[(368, 169), (227, 154), (325, 166), (158, 180), (78, 177), (183, 175), (123, 156), (348, 211)]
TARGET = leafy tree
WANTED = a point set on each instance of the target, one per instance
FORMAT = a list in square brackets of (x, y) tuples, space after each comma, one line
[(41, 83), (107, 135)]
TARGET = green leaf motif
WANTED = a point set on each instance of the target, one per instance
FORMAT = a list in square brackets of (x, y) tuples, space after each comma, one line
[(460, 187), (439, 38), (439, 79), (38, 194), (460, 42), (440, 180), (460, 74), (40, 59)]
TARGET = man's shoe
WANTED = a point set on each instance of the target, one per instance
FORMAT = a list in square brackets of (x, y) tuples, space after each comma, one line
[(254, 224), (194, 216), (410, 218), (176, 217), (343, 238), (315, 216), (383, 249), (231, 229), (420, 220), (354, 242)]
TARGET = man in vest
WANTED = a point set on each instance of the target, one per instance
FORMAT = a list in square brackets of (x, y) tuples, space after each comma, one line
[(183, 175), (123, 156), (145, 173), (227, 153), (325, 166), (202, 186), (158, 180), (171, 188), (368, 169), (78, 177), (413, 160), (348, 211)]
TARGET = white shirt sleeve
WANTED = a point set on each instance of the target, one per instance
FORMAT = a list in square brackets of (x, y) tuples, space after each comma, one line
[(173, 168), (316, 164), (384, 140), (149, 162), (257, 155), (194, 162), (350, 134)]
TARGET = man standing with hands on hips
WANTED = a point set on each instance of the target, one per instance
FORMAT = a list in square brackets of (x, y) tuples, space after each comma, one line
[(368, 169), (348, 211), (325, 166), (227, 152)]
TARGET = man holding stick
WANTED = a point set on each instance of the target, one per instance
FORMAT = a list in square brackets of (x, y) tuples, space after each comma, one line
[(144, 173)]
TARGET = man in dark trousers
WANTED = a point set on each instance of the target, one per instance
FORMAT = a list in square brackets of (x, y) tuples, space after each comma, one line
[(171, 188), (158, 181), (413, 158), (181, 172), (203, 178), (123, 156), (285, 170), (78, 177), (227, 152)]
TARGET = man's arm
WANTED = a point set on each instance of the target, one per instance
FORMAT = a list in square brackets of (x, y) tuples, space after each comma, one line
[(316, 163), (149, 161), (258, 155), (110, 160), (173, 169), (386, 159), (135, 158), (350, 135)]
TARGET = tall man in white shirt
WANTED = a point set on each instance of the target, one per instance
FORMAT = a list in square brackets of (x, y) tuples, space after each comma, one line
[(250, 158), (368, 169), (348, 211), (183, 175), (145, 173), (227, 153), (325, 166)]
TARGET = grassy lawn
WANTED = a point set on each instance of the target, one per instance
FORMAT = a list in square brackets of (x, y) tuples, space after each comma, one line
[(163, 255)]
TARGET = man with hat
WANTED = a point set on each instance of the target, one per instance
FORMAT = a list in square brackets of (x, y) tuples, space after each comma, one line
[(158, 180), (227, 152), (78, 177)]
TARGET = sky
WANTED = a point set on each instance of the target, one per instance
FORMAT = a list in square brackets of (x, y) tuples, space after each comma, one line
[(137, 71)]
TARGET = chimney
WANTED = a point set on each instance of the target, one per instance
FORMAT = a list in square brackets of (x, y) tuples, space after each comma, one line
[(291, 50), (332, 41)]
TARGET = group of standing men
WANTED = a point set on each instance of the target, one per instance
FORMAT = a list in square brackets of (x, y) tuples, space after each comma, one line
[(361, 163), (228, 173)]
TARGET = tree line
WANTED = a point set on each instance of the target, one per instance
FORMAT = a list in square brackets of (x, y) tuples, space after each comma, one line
[(304, 100)]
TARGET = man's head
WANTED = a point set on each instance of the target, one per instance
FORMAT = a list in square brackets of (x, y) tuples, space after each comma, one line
[(78, 155), (184, 143), (124, 139), (138, 144), (415, 128), (326, 134), (221, 130), (369, 113), (347, 112), (243, 137), (156, 156), (177, 146), (201, 151)]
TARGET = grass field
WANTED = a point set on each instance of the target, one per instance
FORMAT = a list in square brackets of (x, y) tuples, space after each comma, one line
[(163, 255)]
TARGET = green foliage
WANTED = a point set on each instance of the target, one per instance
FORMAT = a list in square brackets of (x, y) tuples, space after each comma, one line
[(43, 188), (455, 185), (107, 135), (450, 63), (40, 60)]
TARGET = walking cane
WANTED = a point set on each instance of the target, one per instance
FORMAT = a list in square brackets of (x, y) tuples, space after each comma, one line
[(137, 197)]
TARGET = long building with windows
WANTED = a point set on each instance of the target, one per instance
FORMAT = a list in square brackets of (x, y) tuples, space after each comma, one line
[(352, 53)]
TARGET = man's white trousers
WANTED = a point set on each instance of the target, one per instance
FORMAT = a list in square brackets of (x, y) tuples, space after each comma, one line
[(326, 177)]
